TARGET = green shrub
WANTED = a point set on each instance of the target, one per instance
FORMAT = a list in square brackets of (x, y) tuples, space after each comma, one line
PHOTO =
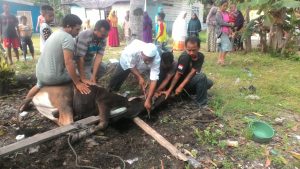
[(7, 75)]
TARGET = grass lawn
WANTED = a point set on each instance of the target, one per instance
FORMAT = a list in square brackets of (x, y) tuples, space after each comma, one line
[(277, 84)]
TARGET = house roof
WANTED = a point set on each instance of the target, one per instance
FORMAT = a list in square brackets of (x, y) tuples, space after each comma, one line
[(21, 2), (93, 4)]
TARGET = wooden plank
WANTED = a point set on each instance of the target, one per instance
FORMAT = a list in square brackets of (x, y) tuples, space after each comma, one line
[(39, 138), (160, 139)]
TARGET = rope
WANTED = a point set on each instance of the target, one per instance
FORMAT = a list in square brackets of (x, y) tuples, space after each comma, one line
[(91, 167)]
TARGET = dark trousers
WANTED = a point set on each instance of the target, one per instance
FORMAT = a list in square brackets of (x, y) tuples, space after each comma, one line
[(199, 85), (118, 78), (26, 41)]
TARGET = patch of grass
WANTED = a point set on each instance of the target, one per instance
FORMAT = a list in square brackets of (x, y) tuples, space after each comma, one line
[(208, 136), (250, 151), (227, 164)]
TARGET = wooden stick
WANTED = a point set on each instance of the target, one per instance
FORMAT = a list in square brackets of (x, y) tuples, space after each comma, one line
[(39, 138), (160, 139)]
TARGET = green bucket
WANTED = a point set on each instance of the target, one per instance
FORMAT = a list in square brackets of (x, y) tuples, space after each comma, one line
[(262, 132)]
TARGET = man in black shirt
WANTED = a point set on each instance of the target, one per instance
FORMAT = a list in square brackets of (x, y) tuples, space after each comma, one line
[(188, 75)]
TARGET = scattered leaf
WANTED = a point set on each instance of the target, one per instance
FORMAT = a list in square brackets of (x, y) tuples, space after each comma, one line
[(268, 162), (2, 132), (283, 160), (257, 114), (295, 128), (296, 155)]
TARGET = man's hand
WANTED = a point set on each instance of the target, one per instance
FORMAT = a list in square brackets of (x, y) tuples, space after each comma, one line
[(93, 79), (157, 94), (83, 88), (178, 90), (88, 82), (167, 94), (147, 105)]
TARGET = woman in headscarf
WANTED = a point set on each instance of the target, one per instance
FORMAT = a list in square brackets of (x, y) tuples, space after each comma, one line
[(113, 36), (194, 26), (179, 32), (147, 28), (223, 31), (211, 30)]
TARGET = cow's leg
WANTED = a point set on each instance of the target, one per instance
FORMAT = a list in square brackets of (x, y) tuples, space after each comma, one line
[(65, 115), (103, 115), (61, 97)]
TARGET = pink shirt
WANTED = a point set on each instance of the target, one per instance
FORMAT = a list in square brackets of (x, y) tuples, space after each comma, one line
[(41, 19), (225, 16)]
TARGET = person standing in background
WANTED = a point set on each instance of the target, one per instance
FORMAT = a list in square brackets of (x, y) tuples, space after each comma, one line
[(40, 20), (45, 29), (194, 26), (113, 36), (147, 28), (159, 10), (126, 28), (223, 31), (179, 31), (162, 37), (211, 29), (9, 32), (25, 36)]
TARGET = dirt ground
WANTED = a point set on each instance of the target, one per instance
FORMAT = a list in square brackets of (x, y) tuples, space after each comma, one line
[(176, 120), (124, 139)]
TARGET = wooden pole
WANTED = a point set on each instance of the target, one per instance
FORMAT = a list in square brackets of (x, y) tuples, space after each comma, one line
[(39, 138), (160, 139)]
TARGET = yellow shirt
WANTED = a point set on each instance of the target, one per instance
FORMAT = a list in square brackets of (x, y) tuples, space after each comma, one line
[(164, 36)]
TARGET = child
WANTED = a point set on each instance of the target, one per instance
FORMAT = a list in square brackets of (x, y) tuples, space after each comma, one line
[(161, 37), (45, 29), (25, 36)]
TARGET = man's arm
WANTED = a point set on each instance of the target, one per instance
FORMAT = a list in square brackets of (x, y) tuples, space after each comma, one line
[(97, 63), (140, 78), (185, 81), (173, 83), (68, 57), (148, 101), (165, 82), (37, 25)]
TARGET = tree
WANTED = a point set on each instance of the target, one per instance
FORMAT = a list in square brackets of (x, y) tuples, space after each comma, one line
[(136, 18), (278, 18)]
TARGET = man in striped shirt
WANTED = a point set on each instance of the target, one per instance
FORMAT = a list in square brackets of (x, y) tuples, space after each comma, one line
[(89, 51)]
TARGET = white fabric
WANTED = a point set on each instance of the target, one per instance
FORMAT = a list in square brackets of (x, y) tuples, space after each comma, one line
[(42, 41), (43, 105), (150, 50), (132, 57), (179, 30)]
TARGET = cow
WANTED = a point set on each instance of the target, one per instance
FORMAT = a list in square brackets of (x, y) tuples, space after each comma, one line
[(71, 104)]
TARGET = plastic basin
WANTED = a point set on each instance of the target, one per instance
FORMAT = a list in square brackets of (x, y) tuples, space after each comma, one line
[(262, 132)]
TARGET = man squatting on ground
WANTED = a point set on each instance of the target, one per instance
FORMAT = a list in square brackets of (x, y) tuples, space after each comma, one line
[(137, 57), (188, 75)]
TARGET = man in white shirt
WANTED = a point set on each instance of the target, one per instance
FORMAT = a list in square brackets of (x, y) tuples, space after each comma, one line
[(137, 57)]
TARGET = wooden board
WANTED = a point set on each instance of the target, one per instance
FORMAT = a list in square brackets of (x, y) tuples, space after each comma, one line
[(39, 138)]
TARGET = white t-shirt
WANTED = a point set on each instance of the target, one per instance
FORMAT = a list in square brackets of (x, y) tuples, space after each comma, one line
[(132, 57), (44, 26)]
